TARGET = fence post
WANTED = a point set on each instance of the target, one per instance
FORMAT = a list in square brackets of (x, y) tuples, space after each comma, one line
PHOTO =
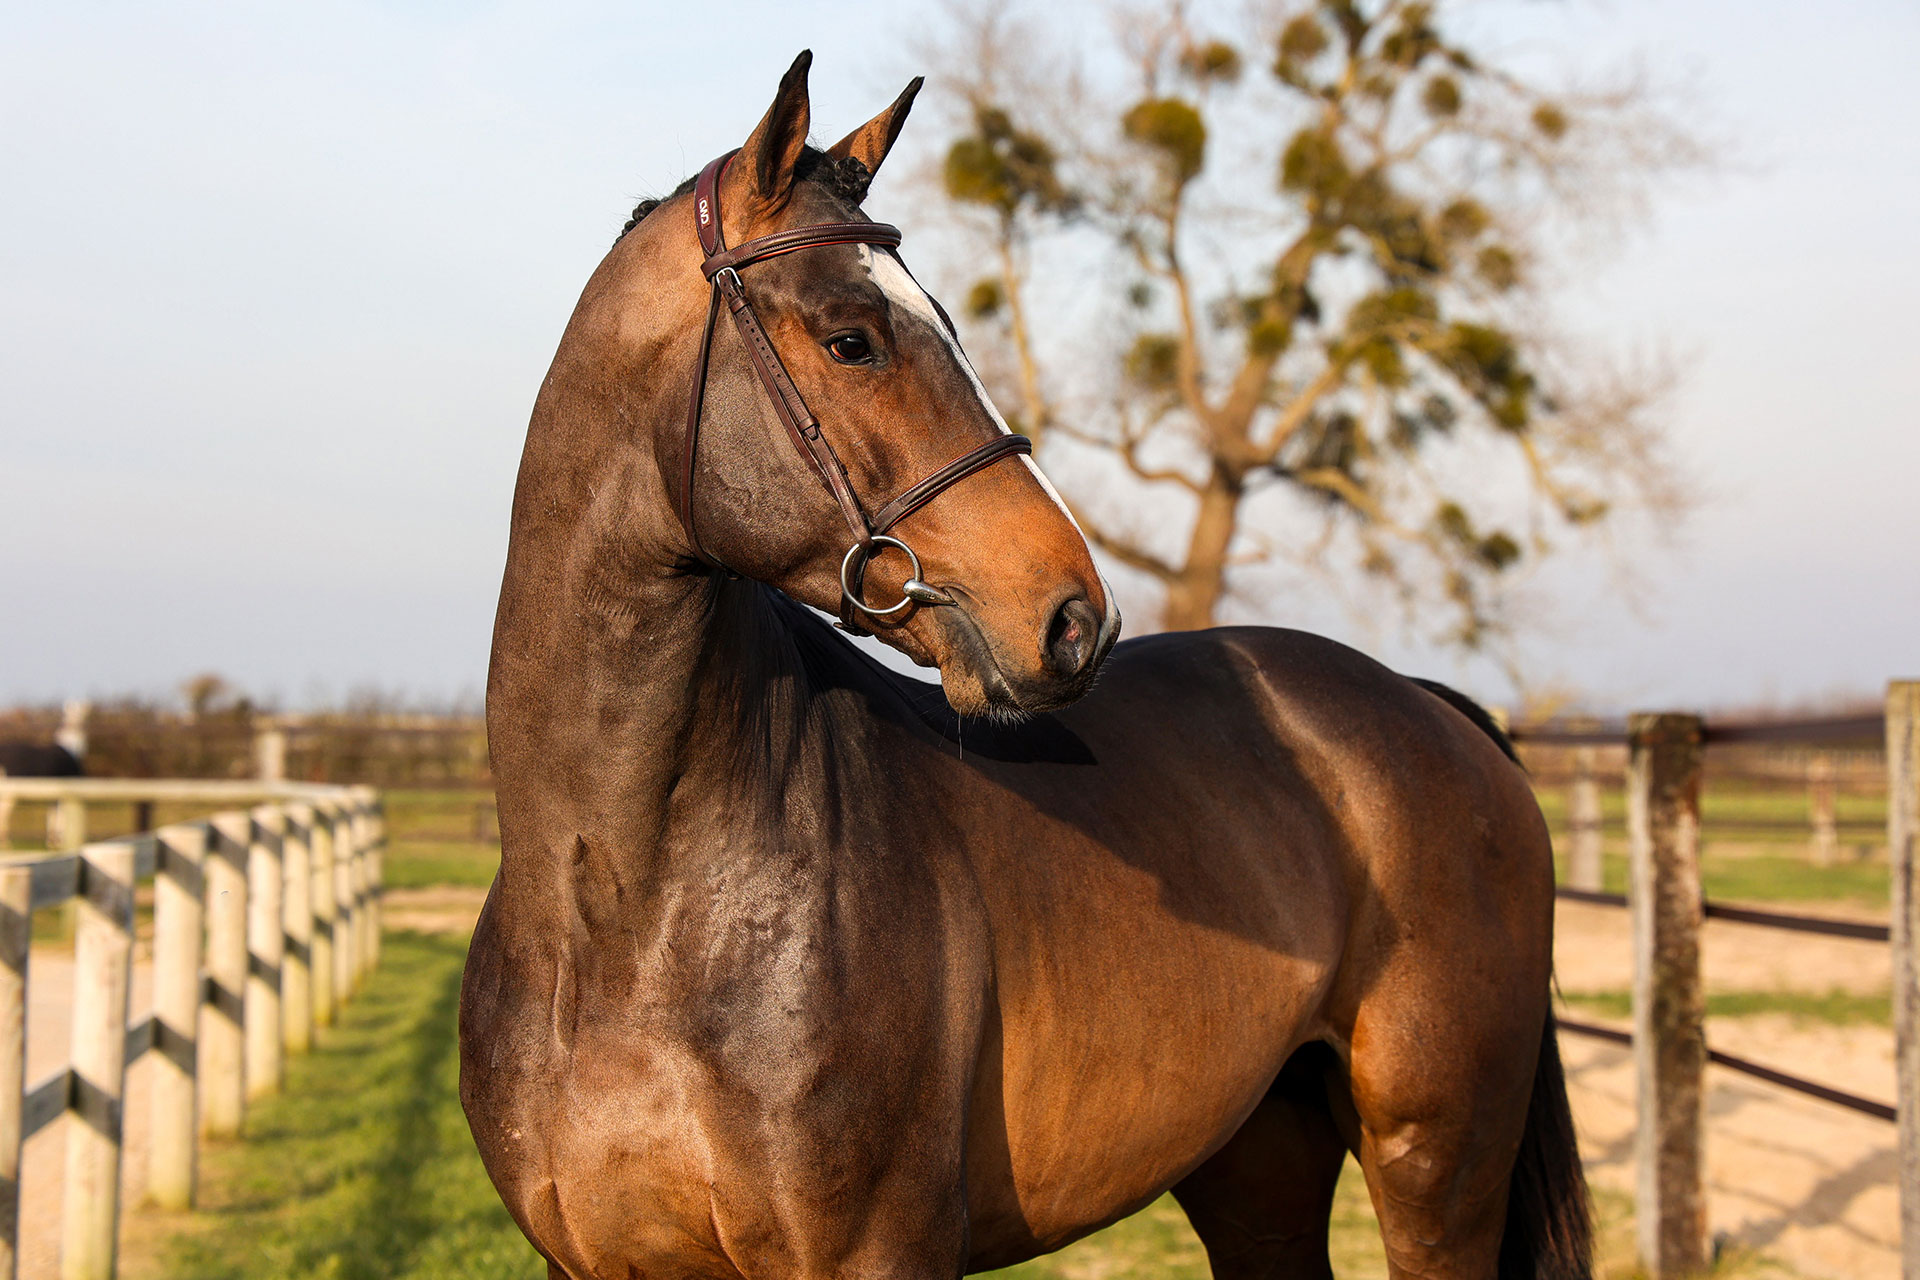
[(223, 1010), (377, 875), (269, 750), (16, 928), (296, 916), (1820, 804), (178, 895), (67, 823), (1585, 866), (102, 964), (321, 968), (346, 939), (1903, 850), (1669, 1039), (362, 898), (266, 950)]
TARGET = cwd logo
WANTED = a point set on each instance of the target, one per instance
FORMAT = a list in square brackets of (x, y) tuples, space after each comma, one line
[(704, 216)]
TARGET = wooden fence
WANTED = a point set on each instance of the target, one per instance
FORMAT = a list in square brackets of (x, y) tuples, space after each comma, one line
[(264, 921), (1665, 758)]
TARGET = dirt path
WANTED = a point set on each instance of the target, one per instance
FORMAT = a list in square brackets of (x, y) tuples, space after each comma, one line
[(447, 909), (1799, 1180)]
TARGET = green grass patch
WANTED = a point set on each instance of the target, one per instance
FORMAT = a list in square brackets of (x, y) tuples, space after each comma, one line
[(1834, 1008), (440, 815), (1157, 1244), (363, 1168), (1726, 809), (440, 838), (1764, 877), (418, 864)]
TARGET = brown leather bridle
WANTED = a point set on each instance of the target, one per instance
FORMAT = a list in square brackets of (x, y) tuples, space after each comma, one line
[(870, 533)]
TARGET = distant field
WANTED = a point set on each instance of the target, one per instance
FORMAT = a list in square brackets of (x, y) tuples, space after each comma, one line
[(432, 841), (441, 838), (447, 837)]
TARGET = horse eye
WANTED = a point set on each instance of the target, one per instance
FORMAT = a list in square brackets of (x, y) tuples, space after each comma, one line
[(850, 348)]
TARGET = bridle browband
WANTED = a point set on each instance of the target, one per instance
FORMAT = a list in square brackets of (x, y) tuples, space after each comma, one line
[(870, 533)]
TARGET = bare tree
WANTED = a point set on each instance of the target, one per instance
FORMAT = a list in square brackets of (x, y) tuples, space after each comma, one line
[(1329, 234)]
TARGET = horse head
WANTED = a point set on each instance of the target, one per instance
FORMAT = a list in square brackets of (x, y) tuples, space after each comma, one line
[(1006, 601)]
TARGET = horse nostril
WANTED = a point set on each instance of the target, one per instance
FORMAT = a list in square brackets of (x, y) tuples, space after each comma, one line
[(1072, 634)]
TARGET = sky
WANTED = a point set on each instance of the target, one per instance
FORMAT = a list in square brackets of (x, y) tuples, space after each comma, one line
[(278, 285)]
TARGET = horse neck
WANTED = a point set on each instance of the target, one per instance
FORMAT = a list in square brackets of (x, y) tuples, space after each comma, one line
[(626, 721), (626, 698)]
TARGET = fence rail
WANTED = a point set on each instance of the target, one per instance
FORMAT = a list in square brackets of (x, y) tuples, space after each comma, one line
[(265, 920), (1665, 763)]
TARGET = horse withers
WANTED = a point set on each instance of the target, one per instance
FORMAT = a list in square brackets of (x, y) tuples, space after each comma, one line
[(794, 968)]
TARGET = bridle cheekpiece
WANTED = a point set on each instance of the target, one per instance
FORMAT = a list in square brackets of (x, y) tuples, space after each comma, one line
[(870, 532)]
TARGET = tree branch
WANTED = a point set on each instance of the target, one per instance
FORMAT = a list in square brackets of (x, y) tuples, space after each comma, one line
[(1126, 553), (1127, 447), (1039, 415), (1298, 410)]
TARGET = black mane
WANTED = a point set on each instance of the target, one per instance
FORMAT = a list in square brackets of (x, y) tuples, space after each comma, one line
[(843, 176)]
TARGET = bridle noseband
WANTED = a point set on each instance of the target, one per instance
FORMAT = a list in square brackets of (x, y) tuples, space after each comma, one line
[(869, 532)]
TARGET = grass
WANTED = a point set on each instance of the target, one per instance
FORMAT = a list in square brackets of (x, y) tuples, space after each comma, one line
[(431, 839), (362, 1169), (1157, 1244), (1735, 801), (1763, 877), (1835, 1008)]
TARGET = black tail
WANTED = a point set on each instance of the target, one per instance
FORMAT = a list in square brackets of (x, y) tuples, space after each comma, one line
[(1473, 711), (1549, 1233)]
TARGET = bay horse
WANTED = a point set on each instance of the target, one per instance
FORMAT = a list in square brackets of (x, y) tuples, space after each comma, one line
[(793, 969)]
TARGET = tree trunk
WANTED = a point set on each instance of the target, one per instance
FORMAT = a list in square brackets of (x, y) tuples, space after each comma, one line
[(1193, 595)]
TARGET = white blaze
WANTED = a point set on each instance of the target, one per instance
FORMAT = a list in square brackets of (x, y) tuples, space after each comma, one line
[(904, 292)]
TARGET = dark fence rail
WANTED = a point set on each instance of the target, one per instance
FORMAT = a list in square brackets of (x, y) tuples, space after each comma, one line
[(1817, 731), (1665, 762)]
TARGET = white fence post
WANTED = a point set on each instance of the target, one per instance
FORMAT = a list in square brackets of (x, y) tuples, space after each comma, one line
[(266, 950), (296, 969), (377, 877), (346, 940), (102, 972), (16, 929), (1585, 864), (363, 882), (1821, 787), (321, 968), (223, 1010), (179, 887), (67, 823)]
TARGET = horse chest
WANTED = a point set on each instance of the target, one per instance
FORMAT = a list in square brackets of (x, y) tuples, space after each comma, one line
[(765, 1047)]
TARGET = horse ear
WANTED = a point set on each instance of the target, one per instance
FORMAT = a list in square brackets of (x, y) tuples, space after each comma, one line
[(776, 143), (870, 143)]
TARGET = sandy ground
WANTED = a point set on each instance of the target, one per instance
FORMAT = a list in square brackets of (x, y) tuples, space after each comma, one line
[(1795, 1179)]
